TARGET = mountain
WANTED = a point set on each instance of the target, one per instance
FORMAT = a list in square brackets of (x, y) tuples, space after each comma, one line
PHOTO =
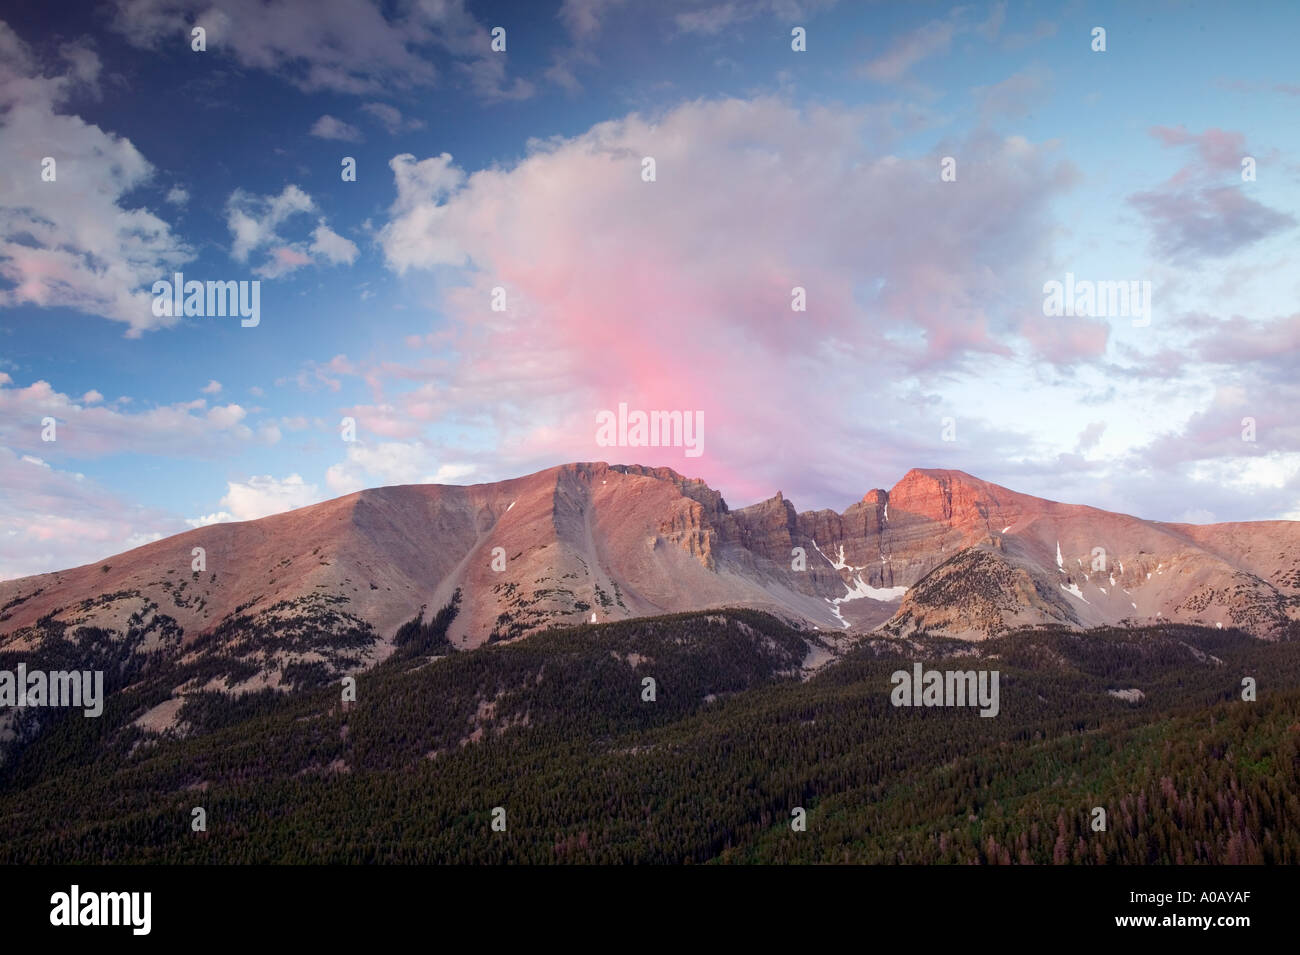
[(1138, 633), (324, 589)]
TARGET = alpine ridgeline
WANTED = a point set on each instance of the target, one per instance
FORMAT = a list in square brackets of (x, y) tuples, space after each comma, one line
[(328, 588)]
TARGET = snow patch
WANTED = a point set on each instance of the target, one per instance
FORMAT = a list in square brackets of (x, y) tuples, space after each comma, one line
[(860, 590), (1074, 590), (1060, 561), (1007, 528), (839, 564), (512, 504)]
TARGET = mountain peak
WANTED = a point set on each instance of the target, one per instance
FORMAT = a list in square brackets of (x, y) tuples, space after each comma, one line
[(944, 495), (943, 475)]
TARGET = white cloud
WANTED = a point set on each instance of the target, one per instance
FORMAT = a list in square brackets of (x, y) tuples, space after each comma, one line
[(225, 417), (413, 239), (177, 196), (261, 496), (711, 19), (328, 127), (89, 429), (212, 387), (390, 117), (253, 220), (582, 18), (927, 40), (142, 538), (73, 242), (391, 462), (255, 224), (332, 247), (345, 46), (216, 517)]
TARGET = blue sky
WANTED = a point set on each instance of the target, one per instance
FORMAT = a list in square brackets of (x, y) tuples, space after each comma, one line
[(776, 168)]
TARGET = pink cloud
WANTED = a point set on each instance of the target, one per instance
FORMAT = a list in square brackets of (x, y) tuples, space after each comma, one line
[(1218, 149), (1065, 341), (290, 258), (676, 294), (51, 519), (1194, 214)]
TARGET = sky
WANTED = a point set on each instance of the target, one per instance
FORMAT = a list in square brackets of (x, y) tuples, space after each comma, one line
[(503, 267)]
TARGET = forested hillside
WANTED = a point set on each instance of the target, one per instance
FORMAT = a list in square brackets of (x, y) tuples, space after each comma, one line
[(558, 730)]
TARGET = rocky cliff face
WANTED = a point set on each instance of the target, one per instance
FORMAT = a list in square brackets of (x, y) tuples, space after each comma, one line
[(768, 529)]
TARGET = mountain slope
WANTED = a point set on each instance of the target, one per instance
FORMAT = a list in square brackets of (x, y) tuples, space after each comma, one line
[(324, 589), (557, 731)]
